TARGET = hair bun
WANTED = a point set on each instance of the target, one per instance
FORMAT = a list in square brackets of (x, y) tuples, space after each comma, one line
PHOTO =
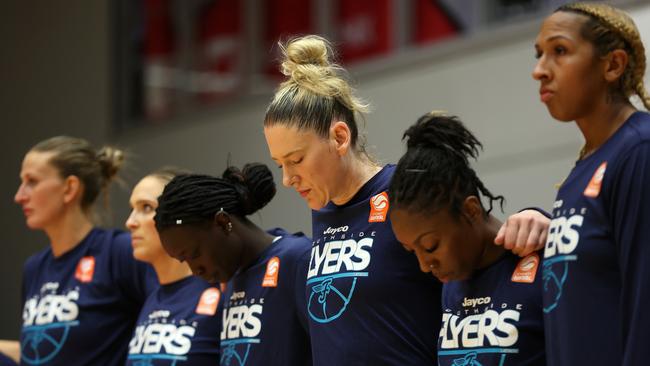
[(254, 183), (439, 130), (110, 160)]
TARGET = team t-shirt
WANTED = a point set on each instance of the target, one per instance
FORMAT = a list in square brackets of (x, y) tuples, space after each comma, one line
[(367, 300), (495, 317), (80, 308), (179, 324), (264, 320), (596, 270)]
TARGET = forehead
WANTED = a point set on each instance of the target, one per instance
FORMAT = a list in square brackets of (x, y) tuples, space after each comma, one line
[(149, 188), (409, 225), (37, 162), (562, 23), (283, 139)]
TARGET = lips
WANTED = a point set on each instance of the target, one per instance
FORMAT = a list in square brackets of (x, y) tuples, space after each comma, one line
[(545, 94), (304, 193), (27, 211)]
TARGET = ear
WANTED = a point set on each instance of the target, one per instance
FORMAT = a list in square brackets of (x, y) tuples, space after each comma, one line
[(222, 219), (615, 65), (472, 209), (73, 189), (341, 137)]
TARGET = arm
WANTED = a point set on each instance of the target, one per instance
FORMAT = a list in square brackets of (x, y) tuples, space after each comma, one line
[(524, 232), (11, 349), (629, 208)]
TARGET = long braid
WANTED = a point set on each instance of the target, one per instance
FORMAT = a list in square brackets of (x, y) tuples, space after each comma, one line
[(435, 172)]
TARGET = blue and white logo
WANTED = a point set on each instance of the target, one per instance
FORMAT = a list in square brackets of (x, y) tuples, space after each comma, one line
[(47, 321), (333, 274), (562, 241), (240, 332)]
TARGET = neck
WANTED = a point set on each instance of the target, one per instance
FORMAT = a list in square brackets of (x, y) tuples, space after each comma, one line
[(357, 172), (169, 270), (491, 251), (600, 125), (255, 241), (67, 232)]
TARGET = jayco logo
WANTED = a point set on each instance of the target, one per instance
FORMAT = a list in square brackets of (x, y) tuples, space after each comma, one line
[(334, 269), (47, 321), (335, 230), (240, 329), (562, 241), (477, 301), (168, 339)]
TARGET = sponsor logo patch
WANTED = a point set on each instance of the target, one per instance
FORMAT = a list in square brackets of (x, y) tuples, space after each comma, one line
[(85, 269), (593, 188), (272, 271), (208, 302), (378, 207), (526, 269)]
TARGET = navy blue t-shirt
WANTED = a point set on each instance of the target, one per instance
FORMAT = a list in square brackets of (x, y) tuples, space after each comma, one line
[(264, 321), (597, 257), (80, 308), (368, 301), (179, 324), (495, 317)]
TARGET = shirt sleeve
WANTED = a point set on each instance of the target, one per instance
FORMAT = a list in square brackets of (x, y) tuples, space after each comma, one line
[(630, 219), (302, 267)]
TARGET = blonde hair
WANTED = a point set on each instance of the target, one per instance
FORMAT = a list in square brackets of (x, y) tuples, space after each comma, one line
[(609, 28), (316, 91)]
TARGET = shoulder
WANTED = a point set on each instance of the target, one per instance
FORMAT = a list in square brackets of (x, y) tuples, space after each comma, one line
[(36, 260)]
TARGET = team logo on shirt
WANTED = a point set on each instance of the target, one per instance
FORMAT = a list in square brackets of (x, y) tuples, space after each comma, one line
[(241, 328), (378, 207), (48, 318), (272, 271), (526, 269), (208, 302), (85, 269), (492, 332), (161, 339), (334, 269), (562, 241), (593, 188)]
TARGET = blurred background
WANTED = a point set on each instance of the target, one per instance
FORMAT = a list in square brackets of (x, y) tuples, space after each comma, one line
[(186, 83)]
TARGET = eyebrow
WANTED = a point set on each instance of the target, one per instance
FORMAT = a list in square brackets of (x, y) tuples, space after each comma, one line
[(417, 240), (290, 153)]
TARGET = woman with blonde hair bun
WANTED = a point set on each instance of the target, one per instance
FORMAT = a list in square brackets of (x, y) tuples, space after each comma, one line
[(368, 302), (81, 294)]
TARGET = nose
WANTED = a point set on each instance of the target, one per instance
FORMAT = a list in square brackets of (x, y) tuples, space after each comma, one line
[(540, 71), (131, 222), (287, 177), (20, 197), (425, 264)]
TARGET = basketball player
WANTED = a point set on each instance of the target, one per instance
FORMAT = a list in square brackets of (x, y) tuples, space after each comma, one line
[(596, 274), (202, 220), (180, 321), (491, 298)]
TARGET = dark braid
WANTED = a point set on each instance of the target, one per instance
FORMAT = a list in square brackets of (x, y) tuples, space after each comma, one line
[(193, 198), (434, 173)]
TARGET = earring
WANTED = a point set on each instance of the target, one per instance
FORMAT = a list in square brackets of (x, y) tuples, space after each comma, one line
[(229, 226)]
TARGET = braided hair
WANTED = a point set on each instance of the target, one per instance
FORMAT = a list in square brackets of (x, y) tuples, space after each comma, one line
[(608, 29), (434, 173), (195, 198)]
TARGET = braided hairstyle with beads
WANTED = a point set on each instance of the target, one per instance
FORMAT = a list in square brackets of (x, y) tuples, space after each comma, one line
[(608, 29), (435, 173), (196, 198)]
